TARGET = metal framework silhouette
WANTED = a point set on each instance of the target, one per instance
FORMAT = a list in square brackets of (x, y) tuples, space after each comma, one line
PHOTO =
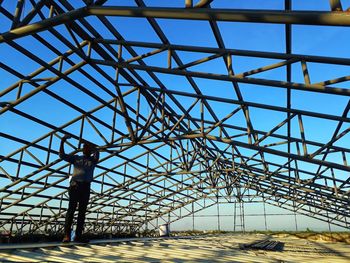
[(166, 153)]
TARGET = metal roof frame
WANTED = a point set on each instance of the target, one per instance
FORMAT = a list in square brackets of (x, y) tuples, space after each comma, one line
[(183, 157)]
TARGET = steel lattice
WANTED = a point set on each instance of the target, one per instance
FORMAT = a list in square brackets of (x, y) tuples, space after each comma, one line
[(164, 145)]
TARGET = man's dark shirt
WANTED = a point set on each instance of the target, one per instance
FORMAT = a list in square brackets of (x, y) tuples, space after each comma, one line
[(83, 166)]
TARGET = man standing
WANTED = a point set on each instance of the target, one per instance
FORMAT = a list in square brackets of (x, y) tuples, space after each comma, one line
[(79, 188)]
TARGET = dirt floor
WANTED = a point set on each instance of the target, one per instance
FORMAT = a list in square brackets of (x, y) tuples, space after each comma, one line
[(204, 248)]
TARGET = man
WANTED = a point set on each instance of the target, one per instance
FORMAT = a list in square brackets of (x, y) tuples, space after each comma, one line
[(79, 189)]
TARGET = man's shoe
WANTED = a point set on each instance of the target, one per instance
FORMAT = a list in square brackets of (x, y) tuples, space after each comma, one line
[(66, 239)]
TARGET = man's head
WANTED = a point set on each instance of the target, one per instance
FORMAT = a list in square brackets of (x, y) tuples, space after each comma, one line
[(88, 149)]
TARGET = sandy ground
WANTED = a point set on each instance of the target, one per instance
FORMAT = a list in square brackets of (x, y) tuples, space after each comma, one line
[(213, 248)]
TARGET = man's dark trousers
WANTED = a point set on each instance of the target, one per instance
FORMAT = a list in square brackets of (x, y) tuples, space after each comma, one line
[(79, 192)]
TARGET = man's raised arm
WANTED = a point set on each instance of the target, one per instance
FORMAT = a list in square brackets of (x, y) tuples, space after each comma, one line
[(67, 157)]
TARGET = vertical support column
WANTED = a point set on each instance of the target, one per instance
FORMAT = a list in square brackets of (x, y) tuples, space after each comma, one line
[(169, 164), (146, 213), (193, 216), (114, 119), (234, 216), (169, 58), (288, 38), (296, 222), (242, 216), (102, 183), (147, 190), (329, 223), (59, 211), (239, 218), (41, 214), (218, 210), (265, 215), (11, 226), (295, 217), (202, 116), (118, 224), (138, 104), (130, 223), (163, 114), (113, 218)]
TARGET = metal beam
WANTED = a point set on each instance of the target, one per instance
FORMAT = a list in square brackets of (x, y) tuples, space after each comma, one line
[(222, 77), (257, 16), (236, 52), (232, 15)]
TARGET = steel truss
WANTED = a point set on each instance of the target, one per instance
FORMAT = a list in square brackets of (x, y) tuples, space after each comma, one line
[(163, 159)]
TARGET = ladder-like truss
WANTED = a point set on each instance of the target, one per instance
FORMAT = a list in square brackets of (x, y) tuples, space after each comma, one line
[(176, 131)]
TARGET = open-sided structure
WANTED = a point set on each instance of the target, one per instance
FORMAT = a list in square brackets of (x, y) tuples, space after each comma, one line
[(185, 114)]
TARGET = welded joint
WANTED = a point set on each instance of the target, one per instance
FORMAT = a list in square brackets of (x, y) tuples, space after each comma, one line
[(336, 5), (4, 104), (200, 4)]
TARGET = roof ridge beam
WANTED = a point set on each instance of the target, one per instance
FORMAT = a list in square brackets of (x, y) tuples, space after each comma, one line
[(327, 18)]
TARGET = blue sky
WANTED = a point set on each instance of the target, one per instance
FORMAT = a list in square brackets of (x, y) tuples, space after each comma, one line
[(312, 40)]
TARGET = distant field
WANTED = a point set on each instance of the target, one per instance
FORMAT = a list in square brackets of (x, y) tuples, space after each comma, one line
[(319, 236), (309, 235)]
